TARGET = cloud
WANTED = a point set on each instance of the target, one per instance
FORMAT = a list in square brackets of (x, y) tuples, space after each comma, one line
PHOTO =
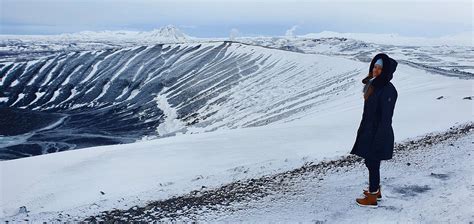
[(291, 32), (234, 33)]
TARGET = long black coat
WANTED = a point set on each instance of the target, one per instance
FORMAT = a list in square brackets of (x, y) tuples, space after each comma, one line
[(375, 138)]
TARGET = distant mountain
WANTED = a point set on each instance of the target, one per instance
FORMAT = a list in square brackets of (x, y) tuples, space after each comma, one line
[(460, 39), (26, 47), (166, 34), (169, 34)]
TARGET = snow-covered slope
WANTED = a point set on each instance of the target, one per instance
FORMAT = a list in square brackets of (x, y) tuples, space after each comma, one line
[(132, 92), (131, 174), (429, 181)]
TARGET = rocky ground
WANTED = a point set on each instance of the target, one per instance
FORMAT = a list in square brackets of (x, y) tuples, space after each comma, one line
[(421, 166)]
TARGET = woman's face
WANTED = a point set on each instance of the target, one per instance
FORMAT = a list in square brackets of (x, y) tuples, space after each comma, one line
[(377, 70)]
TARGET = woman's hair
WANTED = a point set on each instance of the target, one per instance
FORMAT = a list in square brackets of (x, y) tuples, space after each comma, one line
[(367, 78), (368, 88)]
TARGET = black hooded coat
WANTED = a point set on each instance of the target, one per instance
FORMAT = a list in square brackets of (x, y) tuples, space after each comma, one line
[(375, 137)]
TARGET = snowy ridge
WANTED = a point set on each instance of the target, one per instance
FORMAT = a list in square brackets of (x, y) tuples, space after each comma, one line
[(455, 60), (217, 73), (209, 86), (460, 39)]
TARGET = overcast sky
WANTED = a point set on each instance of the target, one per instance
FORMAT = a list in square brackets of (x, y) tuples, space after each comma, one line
[(250, 17)]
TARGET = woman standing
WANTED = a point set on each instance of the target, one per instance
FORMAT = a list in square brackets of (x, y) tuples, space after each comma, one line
[(375, 138)]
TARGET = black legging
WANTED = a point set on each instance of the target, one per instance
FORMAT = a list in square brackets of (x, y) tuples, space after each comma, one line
[(374, 174)]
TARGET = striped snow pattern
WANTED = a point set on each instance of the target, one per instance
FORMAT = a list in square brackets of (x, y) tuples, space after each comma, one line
[(209, 85)]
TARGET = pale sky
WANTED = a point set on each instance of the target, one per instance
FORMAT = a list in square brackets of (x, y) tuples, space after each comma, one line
[(217, 18)]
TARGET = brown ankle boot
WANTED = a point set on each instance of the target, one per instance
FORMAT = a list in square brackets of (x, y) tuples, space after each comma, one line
[(370, 200), (379, 193)]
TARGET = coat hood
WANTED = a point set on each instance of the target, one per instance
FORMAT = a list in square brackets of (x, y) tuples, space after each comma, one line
[(389, 67)]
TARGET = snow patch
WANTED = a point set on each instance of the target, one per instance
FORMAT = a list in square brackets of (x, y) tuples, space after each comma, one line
[(3, 99), (171, 123)]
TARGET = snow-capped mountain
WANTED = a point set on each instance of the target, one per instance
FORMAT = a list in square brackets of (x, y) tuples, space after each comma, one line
[(168, 33)]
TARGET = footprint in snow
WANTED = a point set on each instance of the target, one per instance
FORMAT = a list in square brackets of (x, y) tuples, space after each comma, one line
[(411, 190)]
